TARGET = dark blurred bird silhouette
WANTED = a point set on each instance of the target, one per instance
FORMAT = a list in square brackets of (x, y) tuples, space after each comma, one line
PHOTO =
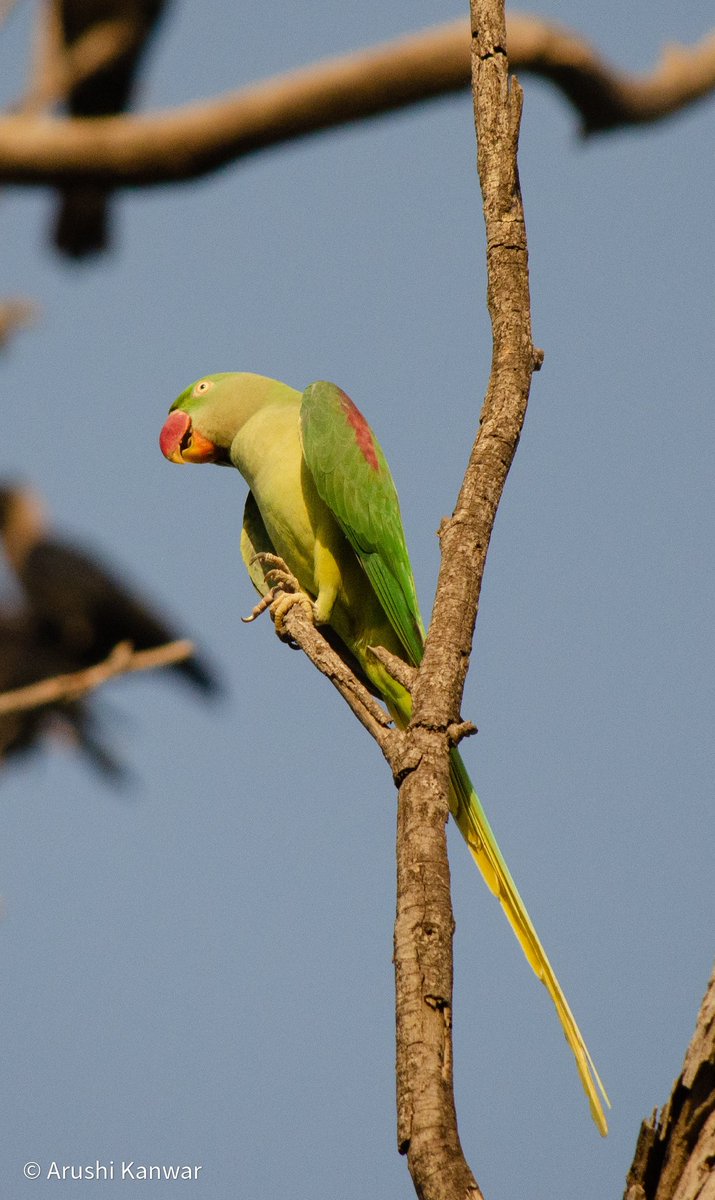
[(74, 611), (82, 224), (25, 658)]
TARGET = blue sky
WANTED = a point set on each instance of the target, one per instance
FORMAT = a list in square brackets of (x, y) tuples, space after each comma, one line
[(199, 970)]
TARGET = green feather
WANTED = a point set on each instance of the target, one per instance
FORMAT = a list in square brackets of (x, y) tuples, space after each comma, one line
[(352, 477)]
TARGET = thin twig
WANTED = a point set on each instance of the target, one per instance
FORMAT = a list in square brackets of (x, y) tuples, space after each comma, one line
[(198, 138), (400, 671), (122, 661)]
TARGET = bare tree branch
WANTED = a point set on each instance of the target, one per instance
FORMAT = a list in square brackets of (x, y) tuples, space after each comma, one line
[(122, 660), (368, 711), (427, 1123), (198, 138), (401, 671), (676, 1152), (604, 97)]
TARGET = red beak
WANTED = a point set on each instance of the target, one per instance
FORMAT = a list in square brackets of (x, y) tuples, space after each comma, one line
[(181, 443)]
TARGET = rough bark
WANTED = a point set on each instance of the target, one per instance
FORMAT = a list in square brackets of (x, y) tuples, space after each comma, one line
[(427, 1123), (675, 1154)]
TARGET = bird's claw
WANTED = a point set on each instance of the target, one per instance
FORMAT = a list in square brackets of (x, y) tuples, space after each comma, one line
[(284, 593), (264, 603), (273, 560)]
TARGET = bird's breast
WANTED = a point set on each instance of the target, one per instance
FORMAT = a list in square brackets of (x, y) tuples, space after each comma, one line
[(268, 453)]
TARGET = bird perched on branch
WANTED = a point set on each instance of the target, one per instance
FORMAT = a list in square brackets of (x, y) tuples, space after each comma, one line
[(323, 500), (75, 610), (101, 44)]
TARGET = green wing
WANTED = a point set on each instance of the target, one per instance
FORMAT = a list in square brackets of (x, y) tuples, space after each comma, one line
[(352, 477)]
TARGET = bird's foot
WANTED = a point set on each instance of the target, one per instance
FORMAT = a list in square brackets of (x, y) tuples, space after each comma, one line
[(285, 592), (282, 605), (280, 579)]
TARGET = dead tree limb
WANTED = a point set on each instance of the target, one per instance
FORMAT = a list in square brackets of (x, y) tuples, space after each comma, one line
[(427, 1123), (368, 711), (198, 138), (675, 1155)]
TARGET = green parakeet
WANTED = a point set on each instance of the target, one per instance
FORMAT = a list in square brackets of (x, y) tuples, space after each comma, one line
[(322, 498)]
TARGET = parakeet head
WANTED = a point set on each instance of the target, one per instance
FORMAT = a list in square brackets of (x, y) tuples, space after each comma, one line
[(205, 418), (183, 439)]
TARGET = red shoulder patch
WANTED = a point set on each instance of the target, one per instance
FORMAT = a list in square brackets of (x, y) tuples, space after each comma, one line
[(362, 431)]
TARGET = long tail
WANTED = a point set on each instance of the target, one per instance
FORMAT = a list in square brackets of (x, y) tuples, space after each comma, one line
[(476, 831)]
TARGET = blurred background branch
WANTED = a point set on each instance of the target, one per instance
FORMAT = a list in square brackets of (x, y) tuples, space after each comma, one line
[(86, 57), (16, 313), (198, 138), (123, 660)]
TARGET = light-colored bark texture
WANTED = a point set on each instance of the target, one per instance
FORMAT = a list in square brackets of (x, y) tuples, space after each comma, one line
[(427, 1123), (675, 1155)]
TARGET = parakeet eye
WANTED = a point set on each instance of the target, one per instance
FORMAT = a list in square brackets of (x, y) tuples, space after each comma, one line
[(203, 386)]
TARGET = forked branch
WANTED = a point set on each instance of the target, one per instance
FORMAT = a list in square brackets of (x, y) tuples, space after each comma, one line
[(427, 1123)]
